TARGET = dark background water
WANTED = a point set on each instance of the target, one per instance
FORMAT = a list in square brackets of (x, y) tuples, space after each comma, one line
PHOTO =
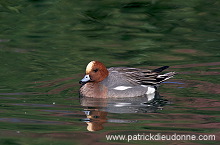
[(46, 44)]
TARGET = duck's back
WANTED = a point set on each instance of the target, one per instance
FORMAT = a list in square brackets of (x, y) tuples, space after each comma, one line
[(121, 76), (120, 85)]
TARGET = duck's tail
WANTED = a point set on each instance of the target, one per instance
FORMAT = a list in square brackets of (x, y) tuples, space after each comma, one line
[(158, 70), (154, 78), (164, 77)]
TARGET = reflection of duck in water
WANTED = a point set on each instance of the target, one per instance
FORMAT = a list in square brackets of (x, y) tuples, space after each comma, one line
[(96, 109), (118, 82), (95, 119)]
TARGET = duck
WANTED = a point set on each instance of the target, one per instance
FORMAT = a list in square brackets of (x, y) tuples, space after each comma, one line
[(119, 82)]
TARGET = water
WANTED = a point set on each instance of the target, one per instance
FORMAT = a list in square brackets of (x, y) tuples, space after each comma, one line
[(45, 46)]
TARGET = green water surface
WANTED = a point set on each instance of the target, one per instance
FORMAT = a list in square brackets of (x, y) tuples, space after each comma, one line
[(45, 46)]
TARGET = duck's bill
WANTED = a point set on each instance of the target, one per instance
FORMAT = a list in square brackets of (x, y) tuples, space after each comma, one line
[(85, 79)]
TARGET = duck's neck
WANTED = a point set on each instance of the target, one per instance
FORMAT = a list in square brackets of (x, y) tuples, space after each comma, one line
[(93, 89)]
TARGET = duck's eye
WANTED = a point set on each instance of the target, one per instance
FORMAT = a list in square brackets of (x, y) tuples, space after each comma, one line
[(95, 70), (95, 116)]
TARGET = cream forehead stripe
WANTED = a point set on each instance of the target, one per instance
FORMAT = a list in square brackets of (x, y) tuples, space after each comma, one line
[(90, 66)]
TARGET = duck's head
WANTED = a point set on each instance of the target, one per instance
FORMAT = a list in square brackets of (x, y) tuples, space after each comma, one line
[(95, 72)]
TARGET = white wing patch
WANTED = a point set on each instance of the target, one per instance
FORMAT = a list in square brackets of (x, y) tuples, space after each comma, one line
[(121, 88)]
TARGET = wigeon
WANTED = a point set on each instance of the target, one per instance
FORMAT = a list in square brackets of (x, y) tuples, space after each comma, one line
[(100, 82)]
